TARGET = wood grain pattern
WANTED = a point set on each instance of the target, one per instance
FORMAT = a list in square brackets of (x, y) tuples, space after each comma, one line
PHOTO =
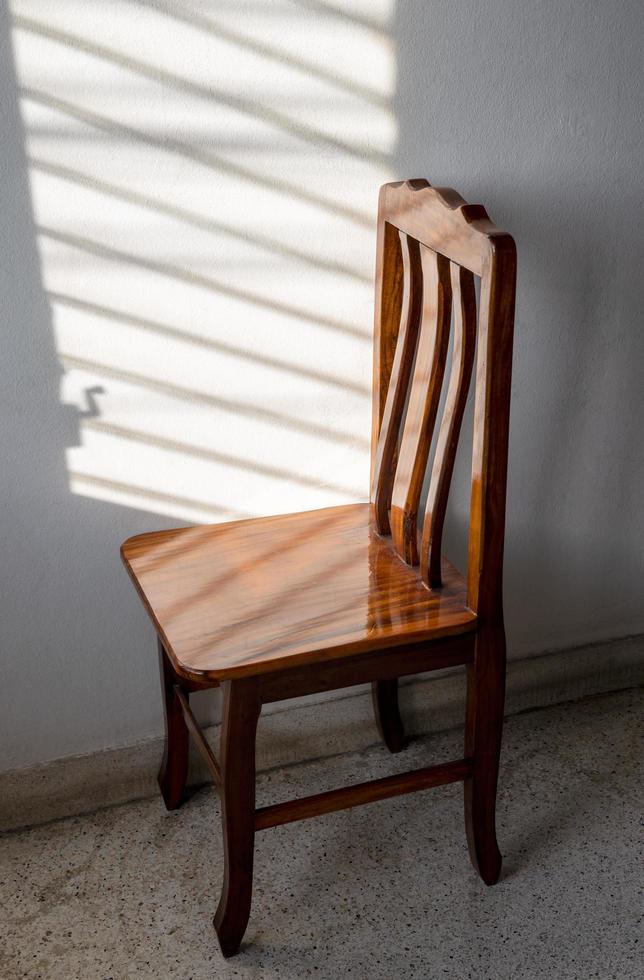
[(424, 398), (387, 319), (491, 430), (464, 306), (327, 585), (440, 218), (400, 374)]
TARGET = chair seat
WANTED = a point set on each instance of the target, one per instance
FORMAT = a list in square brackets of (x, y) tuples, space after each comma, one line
[(258, 595)]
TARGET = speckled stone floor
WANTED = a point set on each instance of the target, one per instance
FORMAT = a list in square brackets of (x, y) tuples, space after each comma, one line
[(383, 891)]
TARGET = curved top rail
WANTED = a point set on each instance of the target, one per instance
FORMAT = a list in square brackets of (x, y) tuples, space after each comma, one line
[(440, 218)]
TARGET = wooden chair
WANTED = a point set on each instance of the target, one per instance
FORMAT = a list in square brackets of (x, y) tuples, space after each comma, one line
[(279, 607)]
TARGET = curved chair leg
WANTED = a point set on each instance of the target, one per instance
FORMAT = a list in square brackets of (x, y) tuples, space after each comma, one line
[(385, 705), (174, 766), (483, 728), (239, 725)]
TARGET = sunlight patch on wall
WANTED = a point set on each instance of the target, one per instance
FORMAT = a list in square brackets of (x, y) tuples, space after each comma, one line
[(205, 179)]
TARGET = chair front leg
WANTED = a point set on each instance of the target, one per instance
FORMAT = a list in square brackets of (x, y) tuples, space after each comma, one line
[(241, 711), (385, 705), (174, 766), (483, 729)]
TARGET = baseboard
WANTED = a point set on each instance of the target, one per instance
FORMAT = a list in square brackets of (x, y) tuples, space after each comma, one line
[(290, 734)]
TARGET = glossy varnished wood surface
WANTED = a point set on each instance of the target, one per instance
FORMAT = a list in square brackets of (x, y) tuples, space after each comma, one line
[(286, 606), (386, 450), (254, 596), (464, 305), (441, 220), (424, 396), (491, 432), (388, 308)]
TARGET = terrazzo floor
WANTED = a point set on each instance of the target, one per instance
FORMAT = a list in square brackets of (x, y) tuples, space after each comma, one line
[(382, 891)]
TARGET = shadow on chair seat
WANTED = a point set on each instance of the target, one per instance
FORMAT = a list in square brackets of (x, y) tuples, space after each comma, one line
[(258, 595)]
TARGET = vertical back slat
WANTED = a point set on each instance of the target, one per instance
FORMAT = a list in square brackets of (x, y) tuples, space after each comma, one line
[(387, 445), (424, 397), (387, 315), (464, 303)]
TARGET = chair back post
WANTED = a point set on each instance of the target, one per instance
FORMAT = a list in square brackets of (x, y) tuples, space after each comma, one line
[(491, 431)]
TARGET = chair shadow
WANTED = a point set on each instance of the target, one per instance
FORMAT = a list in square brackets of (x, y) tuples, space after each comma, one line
[(573, 789)]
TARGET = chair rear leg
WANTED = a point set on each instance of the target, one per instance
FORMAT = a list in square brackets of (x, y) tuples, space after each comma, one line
[(483, 728), (385, 705), (174, 766), (237, 757)]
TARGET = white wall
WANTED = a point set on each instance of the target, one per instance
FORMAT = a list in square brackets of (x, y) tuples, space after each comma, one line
[(536, 110), (163, 160)]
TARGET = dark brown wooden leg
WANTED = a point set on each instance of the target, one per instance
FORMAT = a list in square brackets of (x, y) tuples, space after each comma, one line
[(385, 705), (483, 727), (174, 766), (239, 725)]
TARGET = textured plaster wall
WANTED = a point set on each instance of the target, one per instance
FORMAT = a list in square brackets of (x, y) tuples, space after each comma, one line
[(159, 160), (536, 110)]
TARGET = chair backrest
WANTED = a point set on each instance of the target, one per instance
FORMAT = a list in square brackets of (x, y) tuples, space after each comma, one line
[(430, 246)]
